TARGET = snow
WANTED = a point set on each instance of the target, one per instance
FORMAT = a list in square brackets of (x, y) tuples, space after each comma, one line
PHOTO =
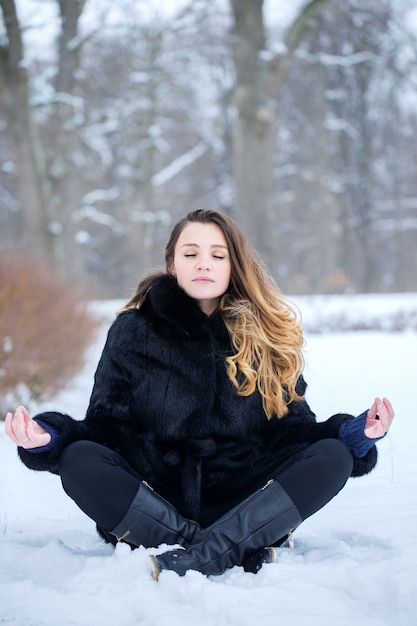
[(282, 14), (353, 562), (179, 164)]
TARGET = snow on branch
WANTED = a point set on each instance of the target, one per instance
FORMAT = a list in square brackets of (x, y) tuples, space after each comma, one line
[(179, 164), (49, 98), (334, 59), (396, 225), (92, 214), (101, 195)]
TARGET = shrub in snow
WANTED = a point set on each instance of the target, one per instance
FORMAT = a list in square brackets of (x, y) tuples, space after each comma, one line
[(45, 329)]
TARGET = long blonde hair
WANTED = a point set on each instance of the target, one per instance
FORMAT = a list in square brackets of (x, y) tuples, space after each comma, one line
[(262, 323)]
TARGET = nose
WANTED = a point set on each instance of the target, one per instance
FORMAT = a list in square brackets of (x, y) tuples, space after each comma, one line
[(204, 264)]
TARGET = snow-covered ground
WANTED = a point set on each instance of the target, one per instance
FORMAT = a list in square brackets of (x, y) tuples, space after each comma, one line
[(354, 562)]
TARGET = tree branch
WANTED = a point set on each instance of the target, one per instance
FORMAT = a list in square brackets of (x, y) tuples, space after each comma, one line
[(304, 23)]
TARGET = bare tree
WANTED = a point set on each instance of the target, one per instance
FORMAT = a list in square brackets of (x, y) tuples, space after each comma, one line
[(25, 148), (65, 151), (303, 133), (344, 185), (258, 76)]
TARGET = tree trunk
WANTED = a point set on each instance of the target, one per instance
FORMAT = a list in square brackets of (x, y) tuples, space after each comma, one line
[(32, 227), (67, 157), (254, 127), (258, 76)]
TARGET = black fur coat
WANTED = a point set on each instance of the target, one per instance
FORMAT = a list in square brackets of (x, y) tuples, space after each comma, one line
[(162, 399)]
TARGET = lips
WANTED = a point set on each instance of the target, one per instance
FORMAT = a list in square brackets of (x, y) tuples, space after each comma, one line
[(203, 279)]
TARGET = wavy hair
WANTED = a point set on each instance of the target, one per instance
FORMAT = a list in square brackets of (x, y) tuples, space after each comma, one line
[(262, 323)]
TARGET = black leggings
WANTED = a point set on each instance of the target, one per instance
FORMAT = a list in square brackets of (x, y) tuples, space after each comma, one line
[(103, 485)]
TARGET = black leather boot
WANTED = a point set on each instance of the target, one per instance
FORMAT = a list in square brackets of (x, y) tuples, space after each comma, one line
[(255, 561), (152, 520), (258, 521)]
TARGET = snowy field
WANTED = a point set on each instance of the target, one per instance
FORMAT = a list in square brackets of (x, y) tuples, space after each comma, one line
[(354, 562)]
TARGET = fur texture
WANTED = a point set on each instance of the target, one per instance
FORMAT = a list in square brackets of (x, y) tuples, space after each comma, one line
[(162, 399)]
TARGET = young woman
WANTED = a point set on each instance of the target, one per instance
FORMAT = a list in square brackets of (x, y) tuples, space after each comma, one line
[(197, 433)]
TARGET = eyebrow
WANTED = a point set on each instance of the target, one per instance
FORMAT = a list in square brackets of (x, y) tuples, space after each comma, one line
[(215, 245)]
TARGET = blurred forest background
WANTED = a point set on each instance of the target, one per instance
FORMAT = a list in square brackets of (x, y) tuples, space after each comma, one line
[(300, 121)]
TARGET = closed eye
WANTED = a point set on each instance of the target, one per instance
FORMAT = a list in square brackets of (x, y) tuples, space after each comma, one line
[(215, 256)]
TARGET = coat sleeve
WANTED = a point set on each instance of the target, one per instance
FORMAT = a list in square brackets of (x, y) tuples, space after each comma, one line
[(107, 419), (66, 430), (307, 429), (330, 429)]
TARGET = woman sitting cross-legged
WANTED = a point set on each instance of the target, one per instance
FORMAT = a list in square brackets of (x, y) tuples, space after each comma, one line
[(197, 433)]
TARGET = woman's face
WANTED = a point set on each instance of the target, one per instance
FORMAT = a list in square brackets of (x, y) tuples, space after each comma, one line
[(202, 264)]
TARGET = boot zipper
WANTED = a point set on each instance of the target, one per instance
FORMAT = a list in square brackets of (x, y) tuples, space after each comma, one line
[(123, 537)]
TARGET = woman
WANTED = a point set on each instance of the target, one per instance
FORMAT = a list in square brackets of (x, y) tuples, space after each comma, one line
[(197, 433)]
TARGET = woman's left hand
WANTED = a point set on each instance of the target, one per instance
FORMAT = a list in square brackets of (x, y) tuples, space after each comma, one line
[(379, 418)]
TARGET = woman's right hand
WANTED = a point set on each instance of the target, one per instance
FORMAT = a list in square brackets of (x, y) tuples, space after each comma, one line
[(24, 431)]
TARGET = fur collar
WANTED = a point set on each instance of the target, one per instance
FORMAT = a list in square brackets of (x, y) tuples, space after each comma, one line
[(168, 303)]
